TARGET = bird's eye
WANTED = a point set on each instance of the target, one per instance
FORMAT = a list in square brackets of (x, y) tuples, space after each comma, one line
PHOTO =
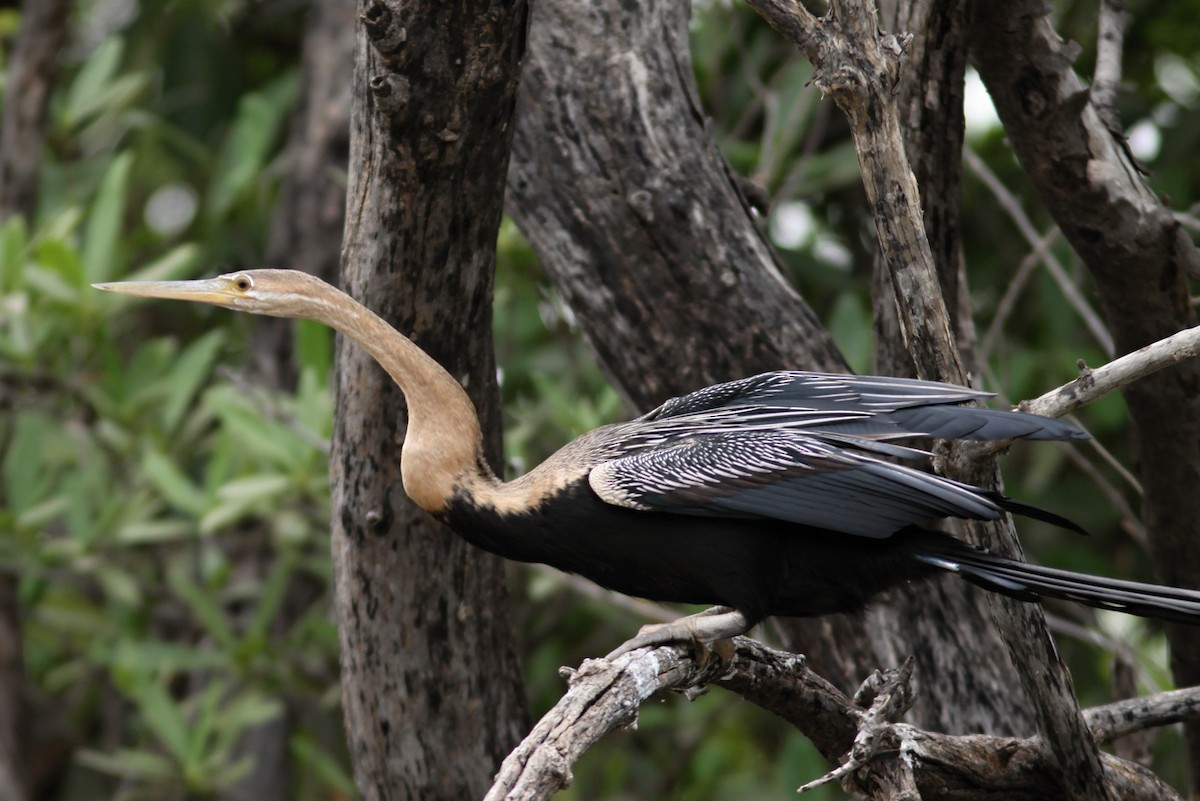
[(243, 282)]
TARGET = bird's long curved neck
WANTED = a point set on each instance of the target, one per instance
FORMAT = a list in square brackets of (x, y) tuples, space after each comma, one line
[(443, 444)]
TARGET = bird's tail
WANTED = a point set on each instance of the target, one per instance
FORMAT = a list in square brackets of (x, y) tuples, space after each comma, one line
[(1029, 582)]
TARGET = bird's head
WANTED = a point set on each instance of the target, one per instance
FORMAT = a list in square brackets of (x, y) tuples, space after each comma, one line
[(277, 293)]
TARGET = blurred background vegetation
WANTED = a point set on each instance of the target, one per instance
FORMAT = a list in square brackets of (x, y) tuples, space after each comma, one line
[(142, 466)]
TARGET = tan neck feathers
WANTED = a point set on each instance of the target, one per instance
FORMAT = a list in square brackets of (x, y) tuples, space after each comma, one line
[(442, 445)]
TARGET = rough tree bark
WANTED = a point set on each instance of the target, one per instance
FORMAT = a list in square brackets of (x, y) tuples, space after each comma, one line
[(431, 688), (1138, 256), (32, 68)]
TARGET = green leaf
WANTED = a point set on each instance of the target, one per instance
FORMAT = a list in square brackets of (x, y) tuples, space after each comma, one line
[(260, 118), (256, 436), (52, 284), (314, 348), (119, 586), (252, 489), (176, 263), (326, 768), (163, 716), (89, 84), (249, 709), (189, 372), (13, 241), (153, 532), (203, 721), (129, 763), (162, 473), (27, 482), (105, 222), (205, 607), (270, 598), (40, 514)]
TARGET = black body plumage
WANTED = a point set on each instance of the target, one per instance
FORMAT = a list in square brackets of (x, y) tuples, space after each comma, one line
[(782, 494)]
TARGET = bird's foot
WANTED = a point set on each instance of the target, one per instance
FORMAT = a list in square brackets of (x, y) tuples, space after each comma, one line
[(709, 632)]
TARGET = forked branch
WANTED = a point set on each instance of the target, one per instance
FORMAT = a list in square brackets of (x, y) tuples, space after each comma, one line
[(886, 757)]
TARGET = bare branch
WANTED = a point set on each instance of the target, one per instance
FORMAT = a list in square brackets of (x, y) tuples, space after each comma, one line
[(890, 695), (887, 760), (1138, 714), (795, 23), (1095, 384)]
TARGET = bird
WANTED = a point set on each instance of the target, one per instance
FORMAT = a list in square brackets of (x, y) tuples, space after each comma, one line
[(788, 493)]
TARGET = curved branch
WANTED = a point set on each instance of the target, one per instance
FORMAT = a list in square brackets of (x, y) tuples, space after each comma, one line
[(886, 756), (1133, 715)]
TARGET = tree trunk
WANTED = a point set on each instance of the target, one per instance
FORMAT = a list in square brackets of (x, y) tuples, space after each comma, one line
[(431, 688), (32, 70), (305, 234)]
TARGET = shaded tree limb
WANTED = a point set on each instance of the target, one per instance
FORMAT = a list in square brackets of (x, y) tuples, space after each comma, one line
[(13, 717), (307, 221), (1106, 77), (604, 696), (1094, 383), (1139, 256)]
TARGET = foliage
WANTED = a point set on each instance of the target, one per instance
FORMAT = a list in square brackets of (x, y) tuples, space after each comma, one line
[(142, 477)]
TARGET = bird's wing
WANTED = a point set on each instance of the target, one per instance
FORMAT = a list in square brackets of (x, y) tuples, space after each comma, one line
[(868, 407), (794, 388), (786, 476)]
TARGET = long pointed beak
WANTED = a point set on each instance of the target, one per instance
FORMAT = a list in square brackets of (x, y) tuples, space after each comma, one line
[(206, 290)]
